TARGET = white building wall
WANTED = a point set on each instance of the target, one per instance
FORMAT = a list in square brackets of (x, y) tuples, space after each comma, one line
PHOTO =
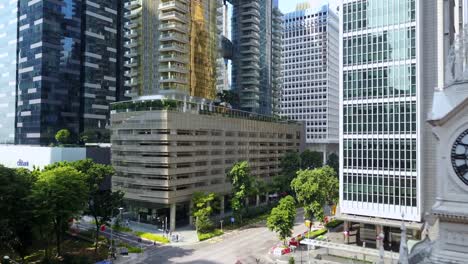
[(310, 72)]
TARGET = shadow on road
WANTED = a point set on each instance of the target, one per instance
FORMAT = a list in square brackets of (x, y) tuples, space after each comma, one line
[(171, 254)]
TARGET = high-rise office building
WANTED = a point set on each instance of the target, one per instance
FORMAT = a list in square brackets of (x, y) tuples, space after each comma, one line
[(67, 67), (172, 46), (256, 38), (311, 74), (8, 54), (388, 72)]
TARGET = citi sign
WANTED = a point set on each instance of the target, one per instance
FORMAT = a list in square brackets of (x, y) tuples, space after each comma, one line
[(22, 163)]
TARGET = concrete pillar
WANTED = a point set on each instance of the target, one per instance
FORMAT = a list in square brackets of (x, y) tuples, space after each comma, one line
[(190, 213), (221, 206), (324, 154), (172, 217), (346, 229), (267, 198), (257, 202), (378, 230)]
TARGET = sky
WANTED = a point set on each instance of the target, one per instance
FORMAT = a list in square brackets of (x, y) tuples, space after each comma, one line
[(287, 6)]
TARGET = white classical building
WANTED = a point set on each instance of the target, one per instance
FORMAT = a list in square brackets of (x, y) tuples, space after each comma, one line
[(310, 74)]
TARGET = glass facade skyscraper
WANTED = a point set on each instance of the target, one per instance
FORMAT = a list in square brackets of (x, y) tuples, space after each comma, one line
[(8, 58), (67, 68), (380, 130), (256, 39)]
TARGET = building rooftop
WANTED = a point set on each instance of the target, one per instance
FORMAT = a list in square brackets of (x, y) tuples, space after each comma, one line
[(158, 104)]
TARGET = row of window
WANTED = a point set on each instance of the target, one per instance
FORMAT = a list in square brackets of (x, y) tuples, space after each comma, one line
[(368, 14), (383, 189), (380, 47), (389, 81), (378, 154), (380, 118)]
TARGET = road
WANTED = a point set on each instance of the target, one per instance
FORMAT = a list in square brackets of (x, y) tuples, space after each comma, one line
[(250, 245)]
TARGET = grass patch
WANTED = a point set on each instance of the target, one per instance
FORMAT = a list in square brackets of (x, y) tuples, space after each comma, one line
[(205, 236), (152, 237), (131, 249), (334, 223)]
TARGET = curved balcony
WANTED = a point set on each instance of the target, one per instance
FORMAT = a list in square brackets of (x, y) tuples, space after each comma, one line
[(252, 65), (171, 57), (173, 5), (250, 19), (251, 35), (250, 50), (131, 44), (130, 34), (131, 63), (131, 53), (174, 37), (252, 4), (173, 26), (250, 81), (131, 24), (251, 42), (171, 79), (130, 74), (132, 4), (172, 47), (173, 69), (132, 14), (173, 15), (131, 83)]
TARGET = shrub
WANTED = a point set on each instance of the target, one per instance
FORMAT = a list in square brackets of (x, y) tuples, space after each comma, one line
[(63, 136), (122, 229), (334, 223), (205, 236), (316, 233), (291, 260), (134, 249), (152, 237)]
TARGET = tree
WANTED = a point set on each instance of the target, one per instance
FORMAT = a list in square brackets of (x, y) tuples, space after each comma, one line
[(101, 200), (281, 219), (314, 189), (16, 223), (202, 210), (59, 194), (290, 163), (63, 136), (311, 159), (243, 185), (333, 162)]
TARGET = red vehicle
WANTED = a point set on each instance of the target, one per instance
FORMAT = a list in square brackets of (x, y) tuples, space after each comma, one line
[(293, 242)]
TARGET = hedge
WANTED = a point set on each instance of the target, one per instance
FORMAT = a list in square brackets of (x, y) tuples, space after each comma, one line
[(152, 237), (205, 236), (334, 223)]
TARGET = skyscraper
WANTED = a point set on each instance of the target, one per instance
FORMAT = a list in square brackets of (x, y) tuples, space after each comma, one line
[(389, 69), (172, 46), (8, 40), (256, 42), (67, 68), (311, 74)]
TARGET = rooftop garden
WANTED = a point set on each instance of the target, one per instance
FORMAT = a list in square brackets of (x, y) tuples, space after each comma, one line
[(202, 109)]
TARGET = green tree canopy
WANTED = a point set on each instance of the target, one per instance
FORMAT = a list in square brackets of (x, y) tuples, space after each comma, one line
[(281, 219), (16, 221), (311, 159), (203, 204), (101, 201), (290, 163), (63, 136), (314, 189), (333, 161), (59, 194), (243, 185)]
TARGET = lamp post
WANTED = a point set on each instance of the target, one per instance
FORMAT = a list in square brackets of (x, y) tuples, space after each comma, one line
[(221, 221)]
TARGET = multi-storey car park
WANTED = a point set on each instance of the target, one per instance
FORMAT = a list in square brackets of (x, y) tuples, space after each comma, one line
[(164, 150), (310, 74)]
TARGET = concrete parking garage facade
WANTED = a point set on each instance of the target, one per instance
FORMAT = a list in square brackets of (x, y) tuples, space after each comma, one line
[(163, 151)]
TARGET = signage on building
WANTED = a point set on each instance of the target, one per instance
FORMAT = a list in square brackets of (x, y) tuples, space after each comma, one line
[(22, 163)]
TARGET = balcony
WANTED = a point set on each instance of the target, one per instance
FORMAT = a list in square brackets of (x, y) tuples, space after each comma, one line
[(130, 74), (251, 35), (174, 37), (173, 15), (172, 79), (131, 83), (131, 34), (131, 63), (132, 4), (250, 81), (172, 47), (250, 19), (131, 44), (167, 58), (173, 5), (174, 26), (252, 4), (250, 50), (131, 53), (131, 24), (132, 14), (251, 42), (173, 68)]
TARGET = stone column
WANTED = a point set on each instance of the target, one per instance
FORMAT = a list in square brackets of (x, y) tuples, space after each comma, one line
[(346, 229), (190, 213), (324, 148), (221, 213), (257, 202), (172, 217)]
